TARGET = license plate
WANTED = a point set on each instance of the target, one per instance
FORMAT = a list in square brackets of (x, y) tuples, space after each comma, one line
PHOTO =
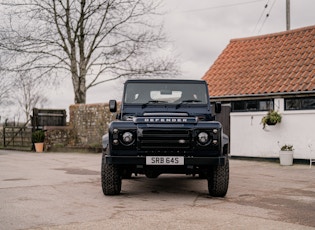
[(163, 160)]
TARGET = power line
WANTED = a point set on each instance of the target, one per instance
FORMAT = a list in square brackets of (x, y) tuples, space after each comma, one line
[(267, 15), (261, 15), (221, 6)]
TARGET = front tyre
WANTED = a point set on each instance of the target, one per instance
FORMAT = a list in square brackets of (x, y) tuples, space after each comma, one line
[(111, 178), (218, 180)]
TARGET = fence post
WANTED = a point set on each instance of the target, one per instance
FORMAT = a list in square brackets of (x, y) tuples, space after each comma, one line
[(4, 136)]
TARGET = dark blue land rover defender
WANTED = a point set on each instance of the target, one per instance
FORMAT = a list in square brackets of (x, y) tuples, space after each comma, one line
[(165, 126)]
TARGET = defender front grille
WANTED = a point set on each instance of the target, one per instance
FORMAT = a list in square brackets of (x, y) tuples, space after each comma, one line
[(159, 139)]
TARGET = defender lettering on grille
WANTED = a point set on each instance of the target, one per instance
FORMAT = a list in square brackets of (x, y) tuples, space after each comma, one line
[(165, 120)]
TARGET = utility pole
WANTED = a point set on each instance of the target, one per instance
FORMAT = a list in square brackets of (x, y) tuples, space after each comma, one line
[(288, 13)]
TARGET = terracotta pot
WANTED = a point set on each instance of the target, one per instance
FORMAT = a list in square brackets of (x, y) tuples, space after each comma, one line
[(39, 147)]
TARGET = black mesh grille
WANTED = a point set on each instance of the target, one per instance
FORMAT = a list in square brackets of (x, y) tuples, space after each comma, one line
[(157, 139)]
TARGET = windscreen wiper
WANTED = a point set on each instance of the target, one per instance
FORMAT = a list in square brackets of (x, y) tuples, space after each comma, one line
[(186, 101), (152, 102)]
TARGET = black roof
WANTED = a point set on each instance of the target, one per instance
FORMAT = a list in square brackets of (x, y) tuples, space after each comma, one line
[(185, 81)]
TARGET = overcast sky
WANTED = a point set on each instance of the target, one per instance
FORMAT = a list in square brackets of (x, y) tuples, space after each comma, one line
[(200, 30)]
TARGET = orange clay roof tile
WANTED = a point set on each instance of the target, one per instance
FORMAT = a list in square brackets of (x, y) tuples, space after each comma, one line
[(273, 63)]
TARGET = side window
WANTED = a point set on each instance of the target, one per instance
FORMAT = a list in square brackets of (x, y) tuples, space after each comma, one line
[(299, 103), (308, 103), (292, 104), (252, 105), (238, 106), (266, 105)]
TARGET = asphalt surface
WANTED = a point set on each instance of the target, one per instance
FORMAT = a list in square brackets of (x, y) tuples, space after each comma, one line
[(63, 191)]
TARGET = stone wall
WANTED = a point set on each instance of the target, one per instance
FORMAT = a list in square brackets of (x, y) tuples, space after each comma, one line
[(59, 137), (87, 124)]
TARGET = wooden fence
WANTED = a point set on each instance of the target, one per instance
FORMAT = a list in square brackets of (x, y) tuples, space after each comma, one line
[(48, 117)]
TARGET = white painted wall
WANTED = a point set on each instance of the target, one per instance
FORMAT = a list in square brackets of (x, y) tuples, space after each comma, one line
[(297, 128)]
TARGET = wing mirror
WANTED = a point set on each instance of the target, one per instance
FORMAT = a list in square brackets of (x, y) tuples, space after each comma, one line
[(113, 106)]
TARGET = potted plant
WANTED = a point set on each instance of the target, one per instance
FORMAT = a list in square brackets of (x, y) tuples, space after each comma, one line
[(38, 138), (272, 118), (286, 155)]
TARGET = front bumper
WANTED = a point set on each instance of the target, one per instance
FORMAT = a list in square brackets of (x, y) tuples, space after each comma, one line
[(141, 160)]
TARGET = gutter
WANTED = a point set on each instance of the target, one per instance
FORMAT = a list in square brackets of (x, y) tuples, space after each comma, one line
[(261, 96)]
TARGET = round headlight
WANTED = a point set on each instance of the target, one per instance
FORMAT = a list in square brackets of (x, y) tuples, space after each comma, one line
[(127, 137), (203, 137)]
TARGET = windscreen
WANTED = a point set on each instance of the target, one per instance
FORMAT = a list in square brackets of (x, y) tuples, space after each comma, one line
[(168, 93)]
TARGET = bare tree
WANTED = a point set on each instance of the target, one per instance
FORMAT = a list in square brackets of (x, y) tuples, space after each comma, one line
[(4, 90), (29, 93), (92, 41), (5, 84)]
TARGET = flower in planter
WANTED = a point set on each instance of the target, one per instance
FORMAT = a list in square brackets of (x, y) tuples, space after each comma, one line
[(272, 118), (38, 136), (287, 148)]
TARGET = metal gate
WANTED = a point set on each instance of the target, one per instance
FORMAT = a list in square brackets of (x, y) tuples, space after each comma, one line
[(17, 137)]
